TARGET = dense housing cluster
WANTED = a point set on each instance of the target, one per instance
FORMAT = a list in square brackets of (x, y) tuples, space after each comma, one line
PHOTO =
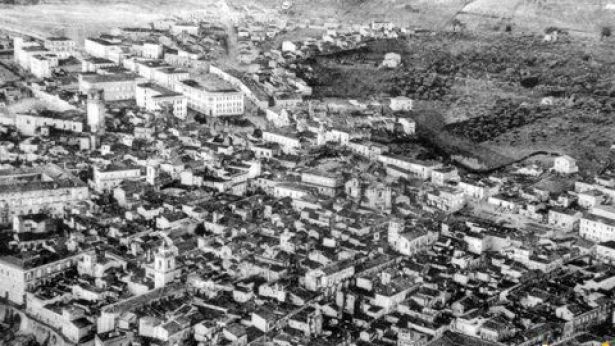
[(160, 198)]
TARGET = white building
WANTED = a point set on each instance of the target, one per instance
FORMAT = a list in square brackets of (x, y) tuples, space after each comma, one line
[(169, 77), (32, 190), (605, 252), (565, 165), (43, 66), (63, 47), (101, 48), (187, 28), (401, 103), (106, 179), (391, 60), (408, 167), (326, 183), (152, 50), (212, 98), (32, 124), (340, 136), (564, 218), (294, 191), (33, 57), (597, 228), (17, 275), (367, 148), (480, 189), (289, 143), (153, 98), (94, 65), (116, 87)]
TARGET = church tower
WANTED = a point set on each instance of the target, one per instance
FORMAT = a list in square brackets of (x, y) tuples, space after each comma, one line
[(96, 111), (164, 265), (151, 174)]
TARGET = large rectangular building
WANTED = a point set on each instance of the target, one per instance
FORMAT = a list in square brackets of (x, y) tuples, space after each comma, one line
[(110, 177), (116, 87), (34, 190), (33, 57), (153, 98), (170, 77), (63, 47), (42, 66), (30, 124), (100, 48), (20, 274), (212, 96)]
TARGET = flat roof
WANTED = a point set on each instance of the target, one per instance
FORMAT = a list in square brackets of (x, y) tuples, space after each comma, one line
[(172, 70), (58, 38), (210, 82), (162, 91), (109, 78)]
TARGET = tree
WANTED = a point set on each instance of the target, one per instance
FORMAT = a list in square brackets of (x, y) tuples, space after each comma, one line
[(605, 32), (200, 230), (457, 25)]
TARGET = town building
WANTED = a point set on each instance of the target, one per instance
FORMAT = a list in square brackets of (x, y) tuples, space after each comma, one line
[(154, 98), (116, 87), (212, 97), (110, 177), (34, 190)]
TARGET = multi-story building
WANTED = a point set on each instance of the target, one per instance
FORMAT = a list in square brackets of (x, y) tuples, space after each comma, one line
[(22, 50), (145, 68), (597, 228), (42, 66), (63, 47), (169, 77), (116, 87), (94, 65), (33, 57), (292, 190), (152, 50), (564, 218), (106, 179), (326, 183), (605, 252), (188, 28), (479, 189), (288, 142), (408, 242), (31, 124), (330, 276), (408, 167), (34, 190), (212, 97), (100, 48), (367, 148), (18, 275), (153, 97), (446, 199)]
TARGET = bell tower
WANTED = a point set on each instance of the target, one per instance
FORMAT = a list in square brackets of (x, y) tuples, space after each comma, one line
[(96, 111), (164, 265)]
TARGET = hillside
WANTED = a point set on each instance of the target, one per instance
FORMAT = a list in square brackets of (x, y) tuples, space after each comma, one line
[(509, 94), (77, 18)]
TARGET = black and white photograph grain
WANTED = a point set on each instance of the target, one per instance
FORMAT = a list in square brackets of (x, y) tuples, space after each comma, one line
[(307, 173)]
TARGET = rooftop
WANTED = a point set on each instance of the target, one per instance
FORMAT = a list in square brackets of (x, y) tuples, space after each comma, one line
[(211, 83)]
